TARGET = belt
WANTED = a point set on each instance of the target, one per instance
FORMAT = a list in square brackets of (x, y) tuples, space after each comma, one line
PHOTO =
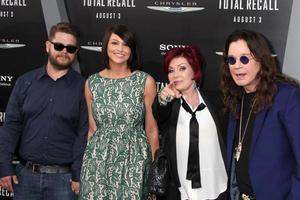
[(247, 197), (46, 169)]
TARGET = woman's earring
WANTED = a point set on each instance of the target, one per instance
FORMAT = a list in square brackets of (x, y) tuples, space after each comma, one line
[(194, 85)]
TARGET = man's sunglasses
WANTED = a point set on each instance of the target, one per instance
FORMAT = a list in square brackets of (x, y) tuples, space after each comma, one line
[(243, 59), (59, 47)]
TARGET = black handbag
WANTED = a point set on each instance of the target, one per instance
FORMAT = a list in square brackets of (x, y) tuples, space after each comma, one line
[(159, 173)]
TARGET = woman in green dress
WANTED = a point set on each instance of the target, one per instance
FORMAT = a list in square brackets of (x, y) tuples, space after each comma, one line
[(122, 130)]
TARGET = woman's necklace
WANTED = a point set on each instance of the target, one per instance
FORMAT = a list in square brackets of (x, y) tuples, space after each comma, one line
[(238, 148)]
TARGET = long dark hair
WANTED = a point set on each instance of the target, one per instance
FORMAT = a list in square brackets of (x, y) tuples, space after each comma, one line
[(268, 75), (129, 38)]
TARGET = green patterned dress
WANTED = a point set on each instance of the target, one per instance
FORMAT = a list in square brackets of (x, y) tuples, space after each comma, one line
[(117, 157)]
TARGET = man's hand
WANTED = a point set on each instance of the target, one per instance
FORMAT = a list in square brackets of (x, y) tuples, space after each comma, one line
[(75, 187), (6, 182)]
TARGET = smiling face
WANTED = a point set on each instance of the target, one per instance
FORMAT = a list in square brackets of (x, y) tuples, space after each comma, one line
[(245, 75), (117, 51), (181, 74), (61, 60)]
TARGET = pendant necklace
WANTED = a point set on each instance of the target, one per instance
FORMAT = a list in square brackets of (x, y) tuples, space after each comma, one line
[(238, 148)]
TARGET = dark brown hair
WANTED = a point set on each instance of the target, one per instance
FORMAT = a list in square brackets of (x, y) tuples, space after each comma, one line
[(64, 27), (129, 39)]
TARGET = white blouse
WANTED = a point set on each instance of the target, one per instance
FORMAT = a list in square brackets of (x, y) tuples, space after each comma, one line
[(212, 167)]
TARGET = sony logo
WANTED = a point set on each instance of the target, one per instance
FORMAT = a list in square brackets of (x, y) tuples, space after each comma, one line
[(167, 47), (6, 78)]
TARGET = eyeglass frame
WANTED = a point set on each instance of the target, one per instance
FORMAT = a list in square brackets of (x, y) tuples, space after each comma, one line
[(241, 58), (60, 47)]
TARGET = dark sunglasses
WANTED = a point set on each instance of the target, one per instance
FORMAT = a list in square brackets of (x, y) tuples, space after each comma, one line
[(243, 59), (59, 47)]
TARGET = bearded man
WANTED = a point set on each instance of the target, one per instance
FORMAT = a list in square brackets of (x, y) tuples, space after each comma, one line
[(46, 118)]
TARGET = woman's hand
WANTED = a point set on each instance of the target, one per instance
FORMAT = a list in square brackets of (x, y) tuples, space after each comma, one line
[(169, 93)]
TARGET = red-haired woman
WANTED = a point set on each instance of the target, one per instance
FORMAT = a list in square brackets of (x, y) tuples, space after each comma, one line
[(193, 124)]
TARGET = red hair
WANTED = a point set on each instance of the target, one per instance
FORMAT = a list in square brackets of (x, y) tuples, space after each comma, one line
[(191, 54)]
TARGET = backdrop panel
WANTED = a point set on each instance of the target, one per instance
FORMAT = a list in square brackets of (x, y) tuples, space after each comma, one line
[(22, 39), (161, 25)]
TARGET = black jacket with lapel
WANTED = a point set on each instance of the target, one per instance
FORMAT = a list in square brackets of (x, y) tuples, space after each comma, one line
[(167, 117)]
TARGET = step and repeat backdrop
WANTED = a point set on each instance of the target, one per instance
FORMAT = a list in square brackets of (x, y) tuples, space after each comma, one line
[(159, 25), (163, 24)]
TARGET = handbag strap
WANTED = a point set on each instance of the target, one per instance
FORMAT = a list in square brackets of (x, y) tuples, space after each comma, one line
[(174, 107)]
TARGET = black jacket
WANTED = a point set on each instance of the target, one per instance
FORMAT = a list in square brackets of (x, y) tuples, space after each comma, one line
[(167, 116)]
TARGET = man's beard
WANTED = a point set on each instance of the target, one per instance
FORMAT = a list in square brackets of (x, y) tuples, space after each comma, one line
[(58, 65)]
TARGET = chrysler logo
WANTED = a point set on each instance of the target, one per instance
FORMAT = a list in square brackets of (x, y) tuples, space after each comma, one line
[(175, 9), (92, 48), (11, 46)]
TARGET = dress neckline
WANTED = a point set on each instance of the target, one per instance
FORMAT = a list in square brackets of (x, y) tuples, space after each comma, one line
[(126, 77)]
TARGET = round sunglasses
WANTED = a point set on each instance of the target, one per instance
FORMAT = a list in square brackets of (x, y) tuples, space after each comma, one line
[(243, 59), (59, 47)]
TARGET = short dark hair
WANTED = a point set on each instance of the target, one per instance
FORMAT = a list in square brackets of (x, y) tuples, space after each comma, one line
[(129, 38), (191, 54), (64, 27)]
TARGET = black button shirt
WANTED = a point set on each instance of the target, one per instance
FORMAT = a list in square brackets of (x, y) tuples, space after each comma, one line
[(49, 118)]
